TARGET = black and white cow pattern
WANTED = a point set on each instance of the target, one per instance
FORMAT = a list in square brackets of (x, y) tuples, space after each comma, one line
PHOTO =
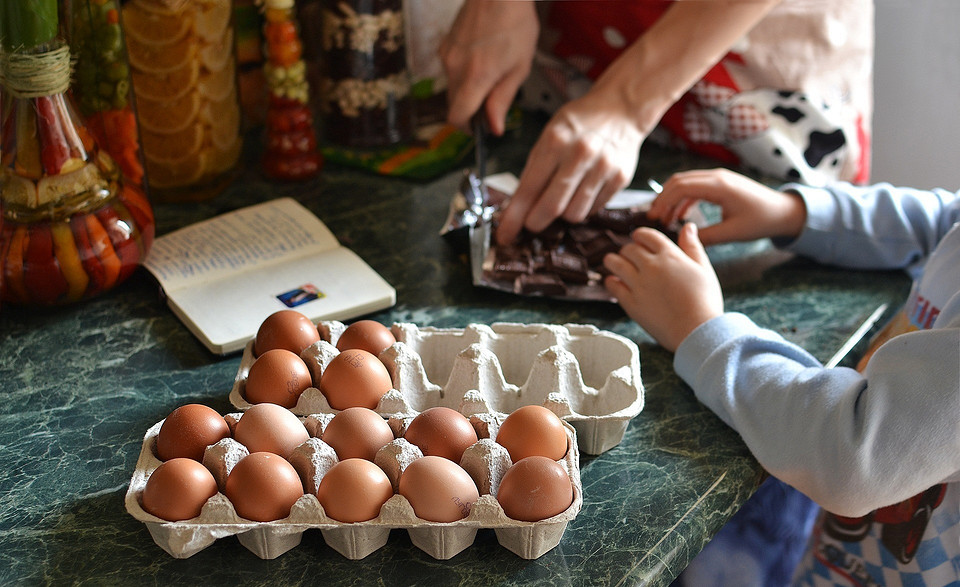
[(781, 134)]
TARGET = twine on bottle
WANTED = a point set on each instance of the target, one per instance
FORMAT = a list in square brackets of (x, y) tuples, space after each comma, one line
[(33, 75)]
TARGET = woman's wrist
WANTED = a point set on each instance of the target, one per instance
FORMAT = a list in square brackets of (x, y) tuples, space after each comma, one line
[(636, 82)]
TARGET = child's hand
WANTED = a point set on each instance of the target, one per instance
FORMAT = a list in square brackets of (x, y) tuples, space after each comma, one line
[(669, 290), (750, 209)]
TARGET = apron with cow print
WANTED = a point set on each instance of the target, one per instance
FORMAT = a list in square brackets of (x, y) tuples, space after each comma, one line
[(791, 101)]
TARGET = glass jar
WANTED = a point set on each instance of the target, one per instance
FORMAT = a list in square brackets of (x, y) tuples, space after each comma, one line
[(101, 81), (365, 84), (73, 225), (290, 144), (183, 65)]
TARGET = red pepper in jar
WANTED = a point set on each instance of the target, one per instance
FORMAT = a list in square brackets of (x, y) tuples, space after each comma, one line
[(136, 203), (285, 115), (117, 129), (290, 167), (43, 279), (54, 150), (123, 239), (91, 264), (14, 288), (126, 218), (102, 247)]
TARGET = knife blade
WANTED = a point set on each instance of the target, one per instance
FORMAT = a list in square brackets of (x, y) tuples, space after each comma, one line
[(480, 148), (480, 196)]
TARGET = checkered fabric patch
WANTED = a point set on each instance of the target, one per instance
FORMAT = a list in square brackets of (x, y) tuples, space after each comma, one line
[(869, 562)]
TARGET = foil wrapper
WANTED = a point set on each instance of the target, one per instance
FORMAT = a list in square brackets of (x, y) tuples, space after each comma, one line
[(565, 261)]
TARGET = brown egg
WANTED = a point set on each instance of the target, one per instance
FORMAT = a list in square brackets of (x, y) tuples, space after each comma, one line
[(533, 430), (188, 431), (286, 329), (177, 490), (442, 432), (354, 378), (278, 377), (357, 433), (354, 490), (368, 335), (535, 488), (263, 487), (438, 489), (270, 428)]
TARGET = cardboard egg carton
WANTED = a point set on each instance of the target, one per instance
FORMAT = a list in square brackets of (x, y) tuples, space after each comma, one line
[(588, 377), (485, 461)]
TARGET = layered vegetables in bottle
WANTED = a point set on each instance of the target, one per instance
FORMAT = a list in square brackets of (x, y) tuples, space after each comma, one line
[(74, 225)]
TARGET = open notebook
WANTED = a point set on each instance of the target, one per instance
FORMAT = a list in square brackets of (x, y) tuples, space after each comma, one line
[(224, 275)]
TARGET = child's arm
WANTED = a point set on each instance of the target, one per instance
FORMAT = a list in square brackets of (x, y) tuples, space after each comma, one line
[(875, 227), (852, 442)]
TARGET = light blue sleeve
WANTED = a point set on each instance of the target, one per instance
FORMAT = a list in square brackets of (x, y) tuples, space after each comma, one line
[(851, 442), (875, 227)]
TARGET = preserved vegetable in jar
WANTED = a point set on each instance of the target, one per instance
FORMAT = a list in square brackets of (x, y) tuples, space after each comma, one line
[(290, 145), (73, 224), (101, 81)]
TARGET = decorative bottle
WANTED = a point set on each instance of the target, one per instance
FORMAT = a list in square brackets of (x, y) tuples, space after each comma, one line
[(73, 224)]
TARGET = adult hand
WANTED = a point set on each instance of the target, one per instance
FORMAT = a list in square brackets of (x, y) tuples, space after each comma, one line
[(668, 289), (586, 154), (487, 54), (750, 210)]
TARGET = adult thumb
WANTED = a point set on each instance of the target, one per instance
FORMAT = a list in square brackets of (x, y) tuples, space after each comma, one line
[(689, 242)]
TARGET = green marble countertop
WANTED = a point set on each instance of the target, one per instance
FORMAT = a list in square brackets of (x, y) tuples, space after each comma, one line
[(80, 386)]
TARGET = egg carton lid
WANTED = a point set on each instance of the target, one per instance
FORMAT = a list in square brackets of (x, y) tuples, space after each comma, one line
[(485, 461), (587, 376)]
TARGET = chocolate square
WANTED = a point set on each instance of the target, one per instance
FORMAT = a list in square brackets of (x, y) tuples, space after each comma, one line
[(568, 266), (583, 233), (616, 219), (540, 283), (510, 269), (553, 234), (515, 252), (595, 250)]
